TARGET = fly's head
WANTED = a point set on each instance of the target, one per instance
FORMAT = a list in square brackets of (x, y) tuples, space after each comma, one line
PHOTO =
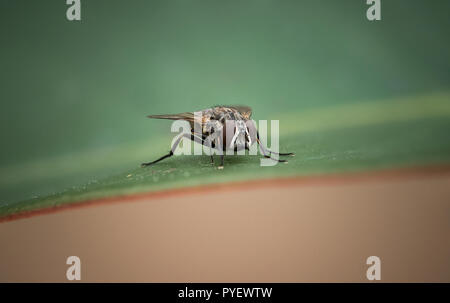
[(244, 134)]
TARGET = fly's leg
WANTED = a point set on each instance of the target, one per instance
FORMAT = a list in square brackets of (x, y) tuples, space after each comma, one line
[(170, 154), (221, 162), (278, 160), (174, 146), (211, 142), (268, 156), (210, 152), (266, 150), (279, 154), (207, 142)]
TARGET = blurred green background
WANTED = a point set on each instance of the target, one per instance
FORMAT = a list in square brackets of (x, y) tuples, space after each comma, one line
[(350, 94)]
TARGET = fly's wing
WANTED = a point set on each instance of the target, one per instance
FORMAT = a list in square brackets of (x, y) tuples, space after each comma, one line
[(199, 119), (182, 116), (244, 110)]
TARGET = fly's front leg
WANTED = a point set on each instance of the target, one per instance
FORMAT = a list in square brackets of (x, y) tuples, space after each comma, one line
[(279, 154), (266, 150), (268, 156)]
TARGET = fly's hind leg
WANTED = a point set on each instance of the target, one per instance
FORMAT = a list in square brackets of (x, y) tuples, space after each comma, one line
[(170, 154), (174, 146)]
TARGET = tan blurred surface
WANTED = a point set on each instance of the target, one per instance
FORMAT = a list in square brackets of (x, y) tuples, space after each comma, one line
[(289, 233)]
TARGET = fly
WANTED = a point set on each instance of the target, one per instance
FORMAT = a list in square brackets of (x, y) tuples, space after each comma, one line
[(213, 123)]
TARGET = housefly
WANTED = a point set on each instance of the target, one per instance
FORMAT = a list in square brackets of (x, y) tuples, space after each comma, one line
[(222, 128)]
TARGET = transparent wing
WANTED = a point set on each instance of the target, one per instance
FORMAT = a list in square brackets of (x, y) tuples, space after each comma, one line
[(188, 116), (181, 116)]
